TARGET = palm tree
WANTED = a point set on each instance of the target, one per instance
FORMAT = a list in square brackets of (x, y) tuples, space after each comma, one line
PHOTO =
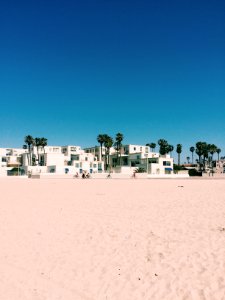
[(188, 159), (37, 144), (199, 152), (170, 149), (218, 152), (29, 141), (192, 149), (163, 146), (152, 146), (212, 149), (179, 150), (44, 142), (119, 139), (202, 151), (101, 140), (108, 144), (148, 145)]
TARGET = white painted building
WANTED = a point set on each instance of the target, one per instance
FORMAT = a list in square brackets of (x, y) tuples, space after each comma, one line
[(10, 158), (133, 157), (220, 166), (72, 159), (62, 160)]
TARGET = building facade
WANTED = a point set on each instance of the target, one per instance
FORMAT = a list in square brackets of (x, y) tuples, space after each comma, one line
[(72, 159)]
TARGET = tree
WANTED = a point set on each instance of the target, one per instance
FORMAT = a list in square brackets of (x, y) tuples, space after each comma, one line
[(37, 144), (205, 148), (179, 150), (212, 149), (119, 139), (108, 144), (199, 152), (116, 147), (192, 149), (202, 150), (170, 149), (101, 139), (218, 152), (152, 146), (29, 141), (44, 143), (163, 147), (188, 159)]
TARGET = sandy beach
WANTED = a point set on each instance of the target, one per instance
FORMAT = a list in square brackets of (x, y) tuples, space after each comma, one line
[(112, 239)]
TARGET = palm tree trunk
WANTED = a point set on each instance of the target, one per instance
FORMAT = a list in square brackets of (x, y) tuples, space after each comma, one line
[(38, 156), (100, 156), (28, 157), (120, 155), (192, 158), (29, 161), (199, 161), (178, 159)]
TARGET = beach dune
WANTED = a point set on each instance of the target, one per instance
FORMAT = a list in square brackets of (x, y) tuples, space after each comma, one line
[(112, 239)]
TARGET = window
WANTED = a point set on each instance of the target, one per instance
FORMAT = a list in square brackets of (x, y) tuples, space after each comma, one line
[(166, 163), (152, 161), (74, 157)]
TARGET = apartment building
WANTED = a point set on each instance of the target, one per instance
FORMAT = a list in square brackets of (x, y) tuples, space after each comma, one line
[(72, 159)]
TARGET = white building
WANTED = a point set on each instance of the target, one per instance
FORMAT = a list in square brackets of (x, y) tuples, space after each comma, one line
[(72, 159), (61, 160), (220, 166), (132, 157), (10, 158)]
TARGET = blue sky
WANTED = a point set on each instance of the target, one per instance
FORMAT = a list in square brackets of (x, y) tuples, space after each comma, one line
[(149, 69)]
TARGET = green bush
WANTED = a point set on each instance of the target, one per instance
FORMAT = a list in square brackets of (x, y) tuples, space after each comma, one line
[(178, 168), (15, 172), (194, 172), (140, 170)]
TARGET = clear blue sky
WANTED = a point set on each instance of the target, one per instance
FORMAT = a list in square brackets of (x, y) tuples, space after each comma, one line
[(70, 70)]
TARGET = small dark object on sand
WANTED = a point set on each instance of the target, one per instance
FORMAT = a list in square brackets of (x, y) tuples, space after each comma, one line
[(180, 186)]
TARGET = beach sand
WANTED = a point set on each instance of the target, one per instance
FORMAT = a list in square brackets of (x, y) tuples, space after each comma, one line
[(112, 239)]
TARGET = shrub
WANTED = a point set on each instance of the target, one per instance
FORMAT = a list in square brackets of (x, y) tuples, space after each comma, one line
[(15, 172), (140, 170), (194, 172)]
